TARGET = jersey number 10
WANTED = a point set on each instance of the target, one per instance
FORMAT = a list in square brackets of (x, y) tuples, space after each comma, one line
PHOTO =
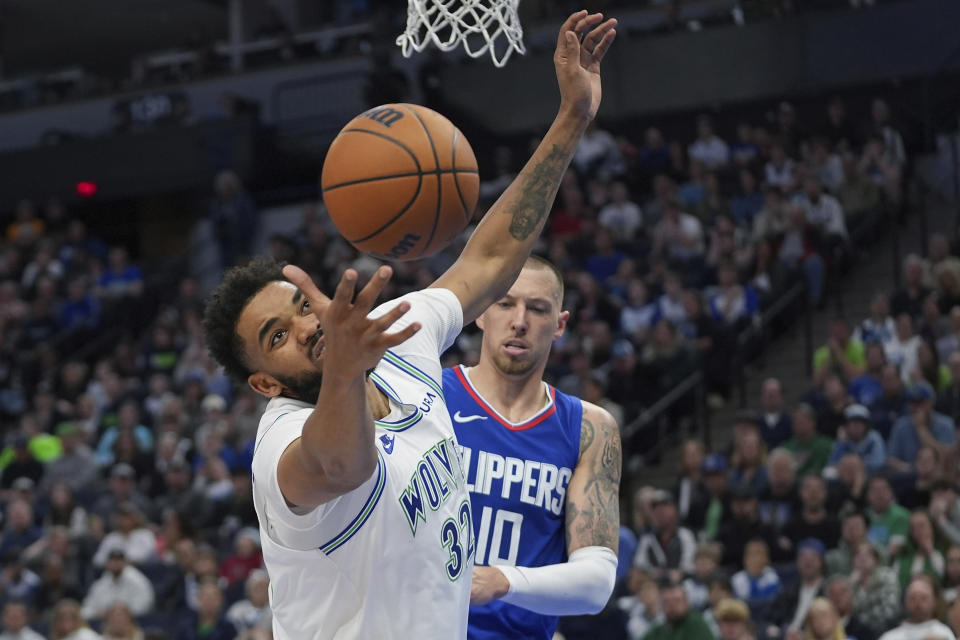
[(502, 519)]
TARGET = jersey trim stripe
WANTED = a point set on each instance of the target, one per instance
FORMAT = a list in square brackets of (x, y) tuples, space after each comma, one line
[(257, 446), (532, 422), (351, 529), (403, 423), (403, 365)]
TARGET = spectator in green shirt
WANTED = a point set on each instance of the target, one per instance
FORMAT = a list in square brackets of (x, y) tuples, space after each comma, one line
[(810, 450), (889, 522), (682, 623), (842, 355)]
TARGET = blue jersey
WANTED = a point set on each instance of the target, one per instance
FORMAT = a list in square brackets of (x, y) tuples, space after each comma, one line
[(517, 476)]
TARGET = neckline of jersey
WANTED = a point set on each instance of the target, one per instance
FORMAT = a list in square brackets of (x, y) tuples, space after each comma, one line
[(548, 409)]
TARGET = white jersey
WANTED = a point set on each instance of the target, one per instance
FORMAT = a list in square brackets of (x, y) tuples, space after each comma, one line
[(394, 557)]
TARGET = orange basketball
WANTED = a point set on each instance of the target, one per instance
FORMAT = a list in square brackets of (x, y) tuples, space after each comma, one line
[(400, 182)]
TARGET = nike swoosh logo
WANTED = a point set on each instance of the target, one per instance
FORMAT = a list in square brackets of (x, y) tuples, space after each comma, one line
[(388, 442), (462, 419)]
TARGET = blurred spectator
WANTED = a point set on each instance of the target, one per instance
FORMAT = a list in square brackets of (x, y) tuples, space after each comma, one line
[(732, 304), (893, 141), (778, 502), (810, 450), (838, 128), (692, 494), (823, 622), (654, 156), (920, 606), (909, 297), (839, 558), (733, 620), (681, 623), (743, 517), (119, 623), (858, 195), (208, 622), (888, 408), (718, 506), (748, 201), (860, 439), (23, 464), (28, 227), (793, 602), (843, 355), (130, 535), (706, 563), (678, 236), (56, 584), (880, 326), (598, 154), (840, 593), (779, 170), (921, 426), (745, 150), (949, 344), (246, 557), (234, 218), (641, 605), (951, 574), (824, 165), (20, 530), (128, 420), (749, 462), (866, 388), (902, 348), (120, 582), (757, 584), (63, 510), (776, 426), (15, 623), (889, 522), (823, 212), (17, 581), (812, 519), (916, 489), (709, 149), (120, 279), (68, 623), (771, 222), (75, 467), (876, 590), (621, 217), (945, 510), (832, 403), (920, 555), (253, 612), (667, 550), (799, 255)]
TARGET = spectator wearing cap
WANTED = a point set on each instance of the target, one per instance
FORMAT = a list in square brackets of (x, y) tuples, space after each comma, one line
[(922, 426), (692, 495), (776, 426), (757, 583), (121, 488), (813, 520), (733, 620), (681, 622), (16, 618), (920, 555), (842, 354), (120, 582), (889, 522), (810, 450), (23, 464), (129, 535), (920, 607), (667, 550), (860, 439), (793, 602), (715, 481), (76, 467), (743, 518), (945, 509)]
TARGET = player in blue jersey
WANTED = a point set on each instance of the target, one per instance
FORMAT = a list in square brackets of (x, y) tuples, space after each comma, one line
[(543, 471)]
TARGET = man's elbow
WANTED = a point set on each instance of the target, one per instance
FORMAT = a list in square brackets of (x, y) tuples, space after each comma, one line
[(346, 473)]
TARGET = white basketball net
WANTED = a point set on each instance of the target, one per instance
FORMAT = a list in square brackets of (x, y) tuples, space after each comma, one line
[(481, 25)]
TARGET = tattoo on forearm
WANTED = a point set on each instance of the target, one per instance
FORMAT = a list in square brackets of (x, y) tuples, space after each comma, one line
[(536, 194), (593, 517)]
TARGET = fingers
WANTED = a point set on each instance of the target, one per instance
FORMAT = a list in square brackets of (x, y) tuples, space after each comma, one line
[(393, 339), (569, 25), (385, 321), (599, 39), (587, 22), (343, 296), (368, 295), (299, 278)]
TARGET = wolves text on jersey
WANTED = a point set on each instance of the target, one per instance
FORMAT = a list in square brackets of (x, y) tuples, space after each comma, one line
[(430, 483)]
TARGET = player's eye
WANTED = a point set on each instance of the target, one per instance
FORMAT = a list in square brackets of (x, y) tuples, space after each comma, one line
[(504, 305), (277, 336), (305, 307)]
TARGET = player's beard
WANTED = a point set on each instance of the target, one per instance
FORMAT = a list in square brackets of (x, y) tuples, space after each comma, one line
[(305, 387), (512, 366)]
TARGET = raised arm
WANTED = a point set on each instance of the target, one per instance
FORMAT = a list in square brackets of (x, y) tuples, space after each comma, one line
[(582, 584), (502, 241)]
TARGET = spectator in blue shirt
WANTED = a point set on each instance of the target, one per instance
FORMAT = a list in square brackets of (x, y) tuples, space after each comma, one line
[(746, 204), (120, 278), (921, 426), (81, 310), (868, 386), (860, 439), (733, 304)]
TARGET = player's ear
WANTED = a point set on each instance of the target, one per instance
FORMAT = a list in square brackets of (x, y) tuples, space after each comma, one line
[(265, 384), (561, 324), (479, 320)]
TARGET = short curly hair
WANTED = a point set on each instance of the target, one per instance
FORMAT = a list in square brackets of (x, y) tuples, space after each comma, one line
[(224, 307)]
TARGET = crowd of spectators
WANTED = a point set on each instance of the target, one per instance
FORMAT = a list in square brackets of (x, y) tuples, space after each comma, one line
[(836, 518), (124, 475)]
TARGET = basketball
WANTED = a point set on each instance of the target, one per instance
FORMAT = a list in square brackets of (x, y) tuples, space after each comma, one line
[(400, 182)]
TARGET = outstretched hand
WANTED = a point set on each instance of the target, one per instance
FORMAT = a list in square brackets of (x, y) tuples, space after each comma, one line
[(353, 343), (578, 62)]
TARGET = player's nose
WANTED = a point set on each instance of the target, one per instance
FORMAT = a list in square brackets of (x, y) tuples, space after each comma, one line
[(306, 327), (519, 320)]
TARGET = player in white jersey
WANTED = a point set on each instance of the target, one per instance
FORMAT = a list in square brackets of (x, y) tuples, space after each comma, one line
[(364, 514)]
